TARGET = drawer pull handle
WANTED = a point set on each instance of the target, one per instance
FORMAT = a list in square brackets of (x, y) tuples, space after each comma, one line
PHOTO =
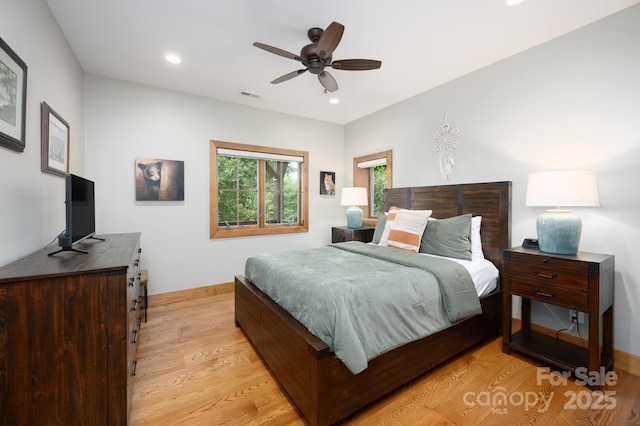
[(542, 293), (135, 367), (550, 277)]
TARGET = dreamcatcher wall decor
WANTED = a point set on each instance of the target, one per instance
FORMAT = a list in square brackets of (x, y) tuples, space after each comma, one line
[(446, 142)]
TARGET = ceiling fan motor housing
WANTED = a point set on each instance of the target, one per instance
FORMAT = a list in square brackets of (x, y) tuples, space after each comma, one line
[(312, 60)]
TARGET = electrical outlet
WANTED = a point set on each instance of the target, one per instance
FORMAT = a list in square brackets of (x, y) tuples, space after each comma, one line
[(577, 315)]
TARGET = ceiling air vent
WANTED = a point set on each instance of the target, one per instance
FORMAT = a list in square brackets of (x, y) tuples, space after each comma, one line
[(249, 94)]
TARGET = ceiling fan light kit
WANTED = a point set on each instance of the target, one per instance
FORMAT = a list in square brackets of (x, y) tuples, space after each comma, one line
[(318, 55)]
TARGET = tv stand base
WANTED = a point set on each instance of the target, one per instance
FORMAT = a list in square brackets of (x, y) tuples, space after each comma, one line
[(69, 249), (93, 237)]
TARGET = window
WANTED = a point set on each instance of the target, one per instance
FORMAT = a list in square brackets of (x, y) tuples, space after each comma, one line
[(257, 190), (373, 172)]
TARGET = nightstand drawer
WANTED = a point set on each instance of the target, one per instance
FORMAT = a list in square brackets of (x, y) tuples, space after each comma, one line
[(550, 293), (550, 270), (340, 234)]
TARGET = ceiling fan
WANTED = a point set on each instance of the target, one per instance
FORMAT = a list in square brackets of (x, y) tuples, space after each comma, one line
[(317, 55)]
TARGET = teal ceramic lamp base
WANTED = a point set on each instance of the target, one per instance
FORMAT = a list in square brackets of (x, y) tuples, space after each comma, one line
[(354, 217), (559, 232)]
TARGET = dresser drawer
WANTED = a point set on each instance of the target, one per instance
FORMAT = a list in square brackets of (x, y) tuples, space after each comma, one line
[(550, 293), (550, 270)]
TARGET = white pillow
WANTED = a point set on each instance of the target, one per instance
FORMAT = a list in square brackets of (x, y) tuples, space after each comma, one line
[(406, 230), (393, 211), (476, 243)]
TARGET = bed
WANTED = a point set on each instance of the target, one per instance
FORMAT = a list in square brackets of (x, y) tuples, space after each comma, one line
[(323, 389)]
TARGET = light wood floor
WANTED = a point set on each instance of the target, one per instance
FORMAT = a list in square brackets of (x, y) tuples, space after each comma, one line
[(196, 368)]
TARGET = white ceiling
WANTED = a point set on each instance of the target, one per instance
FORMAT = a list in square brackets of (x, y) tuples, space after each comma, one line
[(421, 43)]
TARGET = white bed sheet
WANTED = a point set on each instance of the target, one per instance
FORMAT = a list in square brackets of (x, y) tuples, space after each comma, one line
[(483, 273)]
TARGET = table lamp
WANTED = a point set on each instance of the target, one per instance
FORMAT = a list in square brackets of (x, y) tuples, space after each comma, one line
[(354, 197), (559, 229)]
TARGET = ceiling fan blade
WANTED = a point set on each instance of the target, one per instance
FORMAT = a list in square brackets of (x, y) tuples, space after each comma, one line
[(329, 39), (288, 76), (356, 64), (328, 81), (277, 51)]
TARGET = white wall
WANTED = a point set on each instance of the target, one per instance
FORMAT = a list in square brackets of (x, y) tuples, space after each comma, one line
[(126, 120), (573, 102), (32, 202)]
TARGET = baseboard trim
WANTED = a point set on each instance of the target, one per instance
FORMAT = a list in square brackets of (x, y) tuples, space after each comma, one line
[(622, 361), (191, 293)]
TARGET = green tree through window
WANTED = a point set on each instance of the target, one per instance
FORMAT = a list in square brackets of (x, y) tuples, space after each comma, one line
[(379, 184), (237, 191), (281, 192)]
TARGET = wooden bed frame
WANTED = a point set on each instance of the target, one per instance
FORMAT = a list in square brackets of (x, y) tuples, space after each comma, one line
[(319, 384)]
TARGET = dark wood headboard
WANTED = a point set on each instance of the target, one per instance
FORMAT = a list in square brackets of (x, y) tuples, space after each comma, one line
[(490, 200)]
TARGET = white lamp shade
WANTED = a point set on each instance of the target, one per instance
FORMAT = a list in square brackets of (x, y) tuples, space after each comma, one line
[(354, 197), (567, 188)]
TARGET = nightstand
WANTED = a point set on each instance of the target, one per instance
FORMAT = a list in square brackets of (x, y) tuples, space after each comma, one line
[(583, 282), (342, 233)]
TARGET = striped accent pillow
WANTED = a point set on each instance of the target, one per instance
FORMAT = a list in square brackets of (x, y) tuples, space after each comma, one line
[(404, 228), (391, 215)]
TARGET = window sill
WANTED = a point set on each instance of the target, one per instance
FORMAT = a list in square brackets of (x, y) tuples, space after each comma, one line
[(248, 231)]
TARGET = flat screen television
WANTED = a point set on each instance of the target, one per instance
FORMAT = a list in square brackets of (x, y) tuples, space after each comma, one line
[(80, 213)]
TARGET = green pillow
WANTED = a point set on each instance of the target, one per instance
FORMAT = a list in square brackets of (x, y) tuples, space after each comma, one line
[(448, 237), (377, 233)]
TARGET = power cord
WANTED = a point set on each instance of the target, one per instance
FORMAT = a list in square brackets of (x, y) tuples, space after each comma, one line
[(54, 240), (578, 329), (574, 325)]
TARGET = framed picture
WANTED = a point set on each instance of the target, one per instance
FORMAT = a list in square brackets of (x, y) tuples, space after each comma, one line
[(13, 99), (55, 142), (159, 180), (327, 183)]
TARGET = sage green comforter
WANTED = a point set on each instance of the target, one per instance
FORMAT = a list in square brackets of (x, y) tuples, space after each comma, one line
[(363, 300)]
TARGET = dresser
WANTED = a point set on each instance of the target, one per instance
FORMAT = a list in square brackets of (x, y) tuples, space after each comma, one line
[(582, 282), (69, 328), (342, 233)]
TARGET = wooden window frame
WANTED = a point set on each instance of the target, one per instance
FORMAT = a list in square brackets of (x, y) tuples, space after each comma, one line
[(362, 177), (261, 228)]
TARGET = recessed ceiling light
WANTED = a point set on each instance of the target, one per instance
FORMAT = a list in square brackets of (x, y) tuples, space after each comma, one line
[(513, 2), (334, 101), (174, 59)]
